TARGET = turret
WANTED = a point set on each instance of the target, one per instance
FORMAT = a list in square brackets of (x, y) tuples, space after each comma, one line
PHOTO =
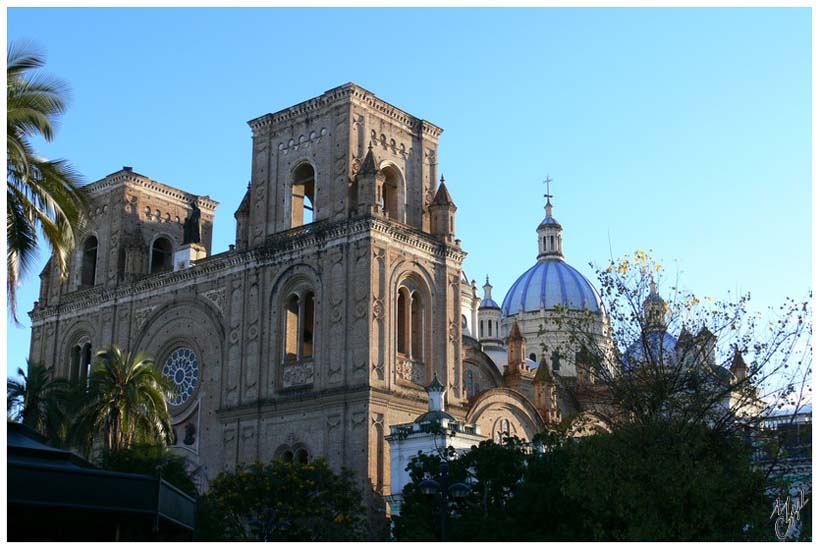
[(435, 394), (369, 185), (549, 232), (443, 214), (654, 310), (545, 389), (738, 367), (489, 316), (516, 356)]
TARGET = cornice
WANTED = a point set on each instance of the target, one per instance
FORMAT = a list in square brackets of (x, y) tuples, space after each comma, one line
[(127, 177), (270, 252), (347, 93)]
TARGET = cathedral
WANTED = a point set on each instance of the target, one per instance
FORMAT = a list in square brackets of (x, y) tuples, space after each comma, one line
[(341, 301)]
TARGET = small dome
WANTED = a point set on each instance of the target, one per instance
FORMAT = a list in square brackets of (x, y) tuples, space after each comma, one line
[(488, 303), (549, 220), (549, 283), (660, 344)]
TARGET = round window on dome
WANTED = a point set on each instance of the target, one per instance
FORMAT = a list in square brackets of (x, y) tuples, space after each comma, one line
[(182, 368)]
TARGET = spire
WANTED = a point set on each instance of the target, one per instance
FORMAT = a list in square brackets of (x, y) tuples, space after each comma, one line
[(543, 374), (549, 231), (442, 196), (488, 289), (548, 196), (654, 308), (368, 166), (515, 332), (435, 394)]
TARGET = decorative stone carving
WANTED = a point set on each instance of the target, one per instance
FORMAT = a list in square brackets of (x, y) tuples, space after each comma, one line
[(217, 296), (378, 370), (297, 375), (378, 309), (141, 316), (410, 370)]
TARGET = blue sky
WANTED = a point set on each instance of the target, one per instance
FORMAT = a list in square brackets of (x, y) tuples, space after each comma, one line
[(687, 131)]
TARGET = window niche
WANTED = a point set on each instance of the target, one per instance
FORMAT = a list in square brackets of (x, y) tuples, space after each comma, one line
[(88, 272), (162, 255), (303, 196), (412, 331), (298, 327)]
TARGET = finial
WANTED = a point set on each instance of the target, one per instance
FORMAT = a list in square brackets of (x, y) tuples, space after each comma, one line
[(442, 179), (488, 278), (548, 195), (370, 146), (653, 288)]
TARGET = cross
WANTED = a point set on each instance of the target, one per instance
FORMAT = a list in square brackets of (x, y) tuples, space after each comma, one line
[(548, 181)]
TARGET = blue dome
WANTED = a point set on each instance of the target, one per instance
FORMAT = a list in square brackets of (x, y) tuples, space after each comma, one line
[(549, 220), (661, 346), (549, 283), (488, 303)]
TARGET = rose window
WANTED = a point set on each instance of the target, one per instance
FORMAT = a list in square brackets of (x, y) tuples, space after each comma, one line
[(182, 368)]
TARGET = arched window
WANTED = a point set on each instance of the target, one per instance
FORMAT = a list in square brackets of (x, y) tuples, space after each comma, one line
[(302, 456), (303, 199), (299, 325), (503, 431), (417, 326), (292, 328), (472, 386), (489, 329), (481, 329), (413, 331), (401, 325), (88, 274), (162, 253), (391, 193), (307, 326), (533, 357), (80, 357)]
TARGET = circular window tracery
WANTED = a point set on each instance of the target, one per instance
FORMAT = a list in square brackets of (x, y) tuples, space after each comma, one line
[(182, 368)]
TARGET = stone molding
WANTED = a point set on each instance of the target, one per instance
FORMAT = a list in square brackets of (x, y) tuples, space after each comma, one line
[(269, 253), (354, 94)]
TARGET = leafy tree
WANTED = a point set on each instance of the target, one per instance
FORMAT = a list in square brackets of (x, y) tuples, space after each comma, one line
[(125, 403), (153, 460), (39, 400), (661, 481), (281, 501), (41, 194), (668, 481)]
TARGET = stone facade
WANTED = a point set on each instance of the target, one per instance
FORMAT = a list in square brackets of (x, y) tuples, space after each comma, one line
[(319, 328)]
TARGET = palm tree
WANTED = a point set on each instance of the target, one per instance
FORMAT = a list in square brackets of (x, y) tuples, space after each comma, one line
[(125, 402), (42, 194), (39, 401)]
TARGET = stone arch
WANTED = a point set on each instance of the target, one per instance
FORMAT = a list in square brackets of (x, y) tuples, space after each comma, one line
[(393, 195), (160, 241), (82, 333), (295, 335), (200, 326), (301, 189), (411, 328), (504, 403)]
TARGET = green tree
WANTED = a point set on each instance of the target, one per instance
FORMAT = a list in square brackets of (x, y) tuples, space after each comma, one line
[(668, 481), (153, 460), (124, 403), (280, 501), (39, 400), (661, 481), (41, 194)]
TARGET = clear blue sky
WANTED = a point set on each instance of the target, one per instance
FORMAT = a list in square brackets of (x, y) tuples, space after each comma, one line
[(687, 131)]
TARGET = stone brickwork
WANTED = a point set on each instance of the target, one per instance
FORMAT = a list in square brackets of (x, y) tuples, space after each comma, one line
[(290, 342)]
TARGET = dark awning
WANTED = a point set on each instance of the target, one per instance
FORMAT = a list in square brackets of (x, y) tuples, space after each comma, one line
[(40, 475)]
